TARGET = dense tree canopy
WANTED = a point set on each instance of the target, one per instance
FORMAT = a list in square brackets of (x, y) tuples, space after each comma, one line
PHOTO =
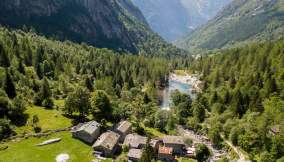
[(244, 93)]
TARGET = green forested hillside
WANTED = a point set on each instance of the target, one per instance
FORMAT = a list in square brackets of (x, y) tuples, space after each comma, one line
[(241, 21), (114, 24), (244, 95), (91, 81)]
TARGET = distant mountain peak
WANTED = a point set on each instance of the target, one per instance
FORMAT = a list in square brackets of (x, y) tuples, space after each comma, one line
[(172, 19), (240, 21)]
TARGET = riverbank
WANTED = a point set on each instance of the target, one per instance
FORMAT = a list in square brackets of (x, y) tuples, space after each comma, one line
[(183, 82), (191, 79)]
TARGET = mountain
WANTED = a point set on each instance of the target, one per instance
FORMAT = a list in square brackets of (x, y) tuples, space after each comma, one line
[(173, 19), (241, 21), (115, 24)]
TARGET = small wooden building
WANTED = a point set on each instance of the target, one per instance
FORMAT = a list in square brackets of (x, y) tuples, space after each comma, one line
[(87, 132), (107, 143), (134, 155), (165, 153), (135, 141), (175, 142), (123, 128)]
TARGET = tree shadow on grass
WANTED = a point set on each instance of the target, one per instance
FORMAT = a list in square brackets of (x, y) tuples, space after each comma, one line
[(76, 119), (20, 120)]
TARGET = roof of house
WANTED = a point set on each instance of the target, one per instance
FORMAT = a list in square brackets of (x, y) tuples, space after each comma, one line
[(134, 140), (107, 140), (88, 127), (275, 129), (154, 142), (123, 126), (135, 153), (165, 150), (173, 140)]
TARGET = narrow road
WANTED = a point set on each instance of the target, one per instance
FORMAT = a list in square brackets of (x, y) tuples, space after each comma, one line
[(201, 139)]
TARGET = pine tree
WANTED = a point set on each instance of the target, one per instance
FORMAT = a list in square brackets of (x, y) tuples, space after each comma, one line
[(28, 57), (9, 86), (89, 84), (21, 67), (38, 61), (147, 154), (4, 59), (238, 104), (45, 91)]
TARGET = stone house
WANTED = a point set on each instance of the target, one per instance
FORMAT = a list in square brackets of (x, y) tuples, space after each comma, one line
[(107, 143), (165, 153), (135, 141), (134, 155), (123, 128), (87, 132), (175, 142), (155, 143)]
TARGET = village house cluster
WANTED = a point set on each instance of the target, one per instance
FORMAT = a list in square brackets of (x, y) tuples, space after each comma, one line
[(108, 143)]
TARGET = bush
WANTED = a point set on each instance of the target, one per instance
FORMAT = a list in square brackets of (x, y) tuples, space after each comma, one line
[(5, 129), (48, 103), (202, 153), (188, 141), (125, 148), (37, 129), (3, 147)]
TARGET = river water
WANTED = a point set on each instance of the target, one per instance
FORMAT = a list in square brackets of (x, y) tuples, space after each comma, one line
[(174, 85)]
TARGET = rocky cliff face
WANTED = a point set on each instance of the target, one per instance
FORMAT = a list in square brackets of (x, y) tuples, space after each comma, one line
[(103, 23)]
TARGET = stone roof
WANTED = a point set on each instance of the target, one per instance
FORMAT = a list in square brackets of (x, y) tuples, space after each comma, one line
[(134, 140), (88, 127), (165, 150), (275, 129), (123, 126), (135, 153), (107, 140), (154, 142), (173, 140)]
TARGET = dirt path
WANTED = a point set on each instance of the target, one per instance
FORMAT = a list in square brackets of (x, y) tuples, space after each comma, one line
[(240, 154)]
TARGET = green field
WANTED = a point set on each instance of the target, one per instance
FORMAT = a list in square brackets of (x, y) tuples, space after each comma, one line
[(26, 151), (186, 160), (48, 120)]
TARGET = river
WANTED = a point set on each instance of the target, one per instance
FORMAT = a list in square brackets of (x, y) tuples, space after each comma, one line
[(176, 82)]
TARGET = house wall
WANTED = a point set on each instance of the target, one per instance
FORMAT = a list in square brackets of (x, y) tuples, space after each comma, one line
[(123, 134), (177, 148), (84, 136), (133, 159), (106, 152), (165, 157)]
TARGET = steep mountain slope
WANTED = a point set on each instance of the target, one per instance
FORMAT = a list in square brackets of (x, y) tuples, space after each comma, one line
[(242, 20), (115, 24), (173, 19)]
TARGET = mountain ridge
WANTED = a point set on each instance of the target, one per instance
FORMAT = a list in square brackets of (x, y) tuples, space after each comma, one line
[(240, 22), (172, 19), (114, 24)]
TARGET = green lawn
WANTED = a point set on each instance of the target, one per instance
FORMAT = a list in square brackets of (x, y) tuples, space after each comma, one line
[(26, 151), (48, 119), (186, 160), (154, 132)]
